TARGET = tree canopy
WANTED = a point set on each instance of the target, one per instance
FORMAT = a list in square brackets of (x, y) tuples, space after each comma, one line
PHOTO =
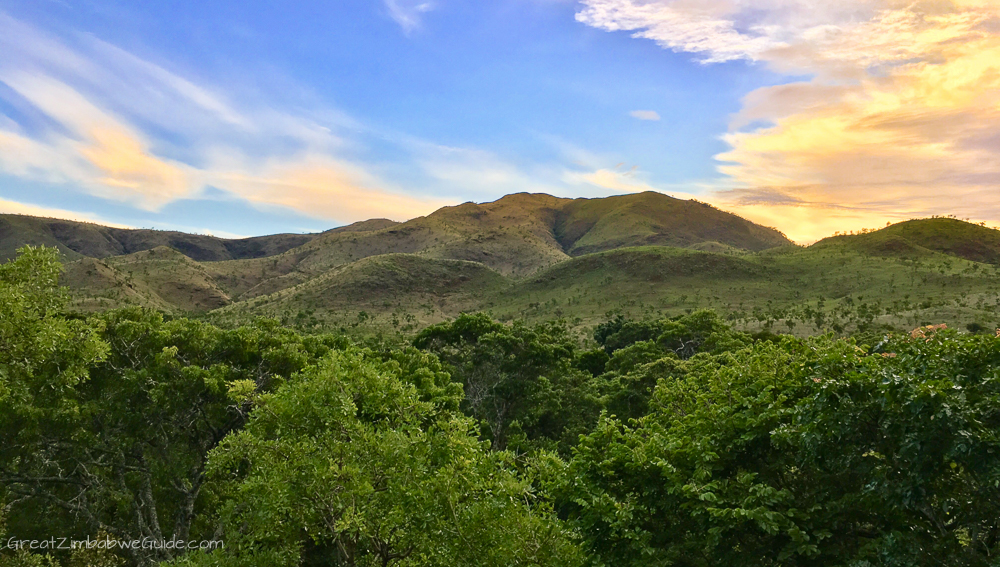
[(675, 441)]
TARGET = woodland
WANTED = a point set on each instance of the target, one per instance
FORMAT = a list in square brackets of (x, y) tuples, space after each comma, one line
[(649, 441)]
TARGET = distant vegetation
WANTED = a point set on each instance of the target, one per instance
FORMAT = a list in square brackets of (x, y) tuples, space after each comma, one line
[(703, 438), (539, 258)]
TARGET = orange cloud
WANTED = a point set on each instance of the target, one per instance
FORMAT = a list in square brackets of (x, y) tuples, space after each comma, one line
[(125, 164), (900, 119), (323, 188)]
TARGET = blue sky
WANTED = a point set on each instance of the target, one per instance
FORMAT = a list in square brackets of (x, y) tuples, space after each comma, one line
[(253, 117)]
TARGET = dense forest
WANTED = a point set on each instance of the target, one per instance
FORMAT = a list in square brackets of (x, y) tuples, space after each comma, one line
[(475, 442)]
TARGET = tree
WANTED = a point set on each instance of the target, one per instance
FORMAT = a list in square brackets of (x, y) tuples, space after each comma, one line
[(519, 380), (105, 424), (44, 359), (802, 453), (347, 465), (685, 335)]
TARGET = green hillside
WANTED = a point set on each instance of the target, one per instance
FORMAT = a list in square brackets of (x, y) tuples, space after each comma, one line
[(593, 225), (539, 257), (161, 278), (916, 237), (402, 287), (515, 236), (816, 288)]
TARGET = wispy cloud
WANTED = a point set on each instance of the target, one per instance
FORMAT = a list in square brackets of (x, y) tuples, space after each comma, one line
[(408, 13), (901, 117), (327, 187), (692, 26), (645, 115), (118, 127), (621, 179)]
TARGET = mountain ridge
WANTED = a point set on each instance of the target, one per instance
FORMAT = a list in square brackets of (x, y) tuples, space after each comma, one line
[(536, 255), (77, 240)]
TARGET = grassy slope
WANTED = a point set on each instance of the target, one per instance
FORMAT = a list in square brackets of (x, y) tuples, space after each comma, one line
[(515, 236), (429, 290), (161, 278), (593, 225), (915, 238), (779, 284)]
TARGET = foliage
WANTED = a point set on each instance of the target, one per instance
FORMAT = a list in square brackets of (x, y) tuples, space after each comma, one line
[(676, 441), (685, 335), (519, 380), (41, 353), (802, 453), (347, 465), (106, 423)]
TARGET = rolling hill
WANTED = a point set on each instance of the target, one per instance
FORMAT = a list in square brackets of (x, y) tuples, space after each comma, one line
[(538, 257), (918, 237), (594, 225)]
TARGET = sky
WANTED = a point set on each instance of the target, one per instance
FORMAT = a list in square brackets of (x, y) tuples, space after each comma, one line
[(264, 116)]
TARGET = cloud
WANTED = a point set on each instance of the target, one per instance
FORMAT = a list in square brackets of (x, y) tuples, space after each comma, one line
[(645, 115), (408, 13), (692, 26), (99, 119), (326, 187), (900, 117), (126, 164), (475, 170), (620, 180)]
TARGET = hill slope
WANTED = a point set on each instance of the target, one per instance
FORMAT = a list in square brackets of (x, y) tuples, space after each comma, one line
[(522, 257), (539, 256), (916, 237), (426, 289), (515, 236), (594, 225)]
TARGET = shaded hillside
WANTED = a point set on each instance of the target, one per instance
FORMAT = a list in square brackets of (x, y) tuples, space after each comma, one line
[(161, 278), (916, 237), (404, 283), (78, 239), (97, 285), (364, 226), (652, 264), (593, 225), (815, 288)]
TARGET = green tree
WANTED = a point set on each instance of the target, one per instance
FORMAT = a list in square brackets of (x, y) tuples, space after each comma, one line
[(105, 425), (802, 453), (519, 380), (685, 335), (347, 465), (44, 358)]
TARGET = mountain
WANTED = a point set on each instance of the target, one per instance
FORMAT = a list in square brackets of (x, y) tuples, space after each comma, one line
[(537, 256), (515, 236), (85, 240), (594, 225)]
